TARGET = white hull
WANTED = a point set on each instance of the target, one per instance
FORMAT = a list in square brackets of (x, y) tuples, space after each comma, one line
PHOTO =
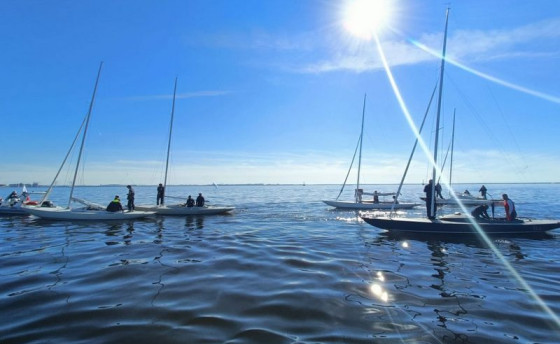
[(468, 201), (83, 214), (180, 210), (369, 205)]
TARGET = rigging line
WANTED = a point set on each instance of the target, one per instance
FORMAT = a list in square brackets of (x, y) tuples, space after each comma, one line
[(350, 169), (358, 145), (487, 76), (361, 144), (47, 193), (414, 148), (498, 143), (170, 132), (85, 133)]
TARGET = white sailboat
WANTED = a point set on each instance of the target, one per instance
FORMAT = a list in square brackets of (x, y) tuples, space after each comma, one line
[(46, 211), (465, 198), (359, 203), (180, 209), (457, 223)]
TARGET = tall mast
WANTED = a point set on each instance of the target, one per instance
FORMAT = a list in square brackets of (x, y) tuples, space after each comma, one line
[(452, 148), (48, 192), (435, 167), (170, 132), (361, 142), (85, 133)]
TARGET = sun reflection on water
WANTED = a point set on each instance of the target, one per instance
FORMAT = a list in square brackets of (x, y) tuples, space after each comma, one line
[(377, 290)]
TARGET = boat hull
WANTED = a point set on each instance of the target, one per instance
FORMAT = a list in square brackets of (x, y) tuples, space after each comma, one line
[(180, 210), (82, 214), (369, 206), (466, 201), (12, 210), (460, 225)]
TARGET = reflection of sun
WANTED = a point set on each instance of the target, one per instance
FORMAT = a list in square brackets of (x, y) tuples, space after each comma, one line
[(364, 18)]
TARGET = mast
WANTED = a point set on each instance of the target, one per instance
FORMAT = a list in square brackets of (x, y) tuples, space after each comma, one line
[(361, 142), (85, 133), (434, 170), (170, 132), (452, 147), (48, 192)]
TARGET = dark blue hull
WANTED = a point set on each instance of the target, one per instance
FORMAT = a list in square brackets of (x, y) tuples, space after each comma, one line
[(461, 225)]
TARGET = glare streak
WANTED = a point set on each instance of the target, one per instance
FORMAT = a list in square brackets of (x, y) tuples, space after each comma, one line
[(489, 77), (479, 230)]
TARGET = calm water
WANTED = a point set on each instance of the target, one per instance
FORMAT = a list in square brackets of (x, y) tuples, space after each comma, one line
[(282, 268)]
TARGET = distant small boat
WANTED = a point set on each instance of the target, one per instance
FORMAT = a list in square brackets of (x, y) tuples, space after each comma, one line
[(465, 199), (359, 203), (369, 205)]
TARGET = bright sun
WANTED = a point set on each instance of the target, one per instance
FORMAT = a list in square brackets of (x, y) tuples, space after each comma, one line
[(364, 18)]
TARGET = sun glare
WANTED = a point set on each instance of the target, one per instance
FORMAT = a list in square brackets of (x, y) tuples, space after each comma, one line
[(365, 18)]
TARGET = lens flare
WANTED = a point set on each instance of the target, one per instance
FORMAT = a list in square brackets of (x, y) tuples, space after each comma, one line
[(364, 18)]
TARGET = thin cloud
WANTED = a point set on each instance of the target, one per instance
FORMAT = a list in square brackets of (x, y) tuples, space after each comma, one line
[(470, 45), (198, 94)]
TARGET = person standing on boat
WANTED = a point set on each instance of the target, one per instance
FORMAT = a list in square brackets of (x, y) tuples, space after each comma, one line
[(160, 194), (509, 206), (438, 191), (483, 191), (115, 205), (375, 197), (428, 190), (130, 198), (200, 200)]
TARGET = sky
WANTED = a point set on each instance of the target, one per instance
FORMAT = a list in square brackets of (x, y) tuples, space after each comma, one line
[(273, 91)]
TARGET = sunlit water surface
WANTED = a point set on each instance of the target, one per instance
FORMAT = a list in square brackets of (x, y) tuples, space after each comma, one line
[(282, 268)]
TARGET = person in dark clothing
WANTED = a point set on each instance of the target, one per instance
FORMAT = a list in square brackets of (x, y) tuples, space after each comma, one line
[(115, 205), (200, 200), (130, 198), (438, 191), (428, 191), (160, 194), (480, 212), (483, 191), (190, 202)]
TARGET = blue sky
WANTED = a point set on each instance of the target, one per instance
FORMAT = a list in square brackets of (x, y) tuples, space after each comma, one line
[(272, 91)]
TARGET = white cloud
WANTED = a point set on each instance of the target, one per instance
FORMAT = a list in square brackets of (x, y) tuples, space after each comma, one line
[(467, 45)]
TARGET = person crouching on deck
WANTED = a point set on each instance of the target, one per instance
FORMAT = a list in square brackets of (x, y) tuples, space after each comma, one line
[(115, 205)]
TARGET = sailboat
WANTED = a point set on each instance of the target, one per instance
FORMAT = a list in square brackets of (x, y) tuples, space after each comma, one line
[(180, 209), (46, 210), (13, 204), (465, 198), (359, 203), (457, 223)]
